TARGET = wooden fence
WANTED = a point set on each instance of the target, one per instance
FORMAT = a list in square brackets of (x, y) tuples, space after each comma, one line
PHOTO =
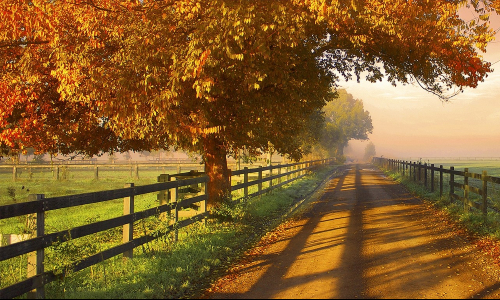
[(89, 171), (465, 181), (96, 171), (168, 190), (459, 158)]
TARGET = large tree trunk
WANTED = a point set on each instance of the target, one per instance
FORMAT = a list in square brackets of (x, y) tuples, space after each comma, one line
[(219, 185)]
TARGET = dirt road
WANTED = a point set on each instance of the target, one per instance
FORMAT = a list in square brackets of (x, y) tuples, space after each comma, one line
[(363, 236)]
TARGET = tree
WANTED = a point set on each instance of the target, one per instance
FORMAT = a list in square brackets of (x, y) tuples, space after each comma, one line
[(112, 158), (39, 158), (345, 120), (28, 153), (369, 152), (128, 156), (213, 76)]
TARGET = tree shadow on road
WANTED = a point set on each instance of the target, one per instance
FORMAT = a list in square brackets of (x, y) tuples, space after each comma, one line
[(359, 241)]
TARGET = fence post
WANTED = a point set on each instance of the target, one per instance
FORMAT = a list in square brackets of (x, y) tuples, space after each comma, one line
[(137, 171), (270, 181), (466, 189), (425, 175), (259, 185), (173, 199), (440, 181), (414, 171), (279, 173), (452, 182), (203, 204), (128, 229), (96, 173), (163, 195), (432, 178), (35, 260), (485, 193), (245, 180), (419, 172)]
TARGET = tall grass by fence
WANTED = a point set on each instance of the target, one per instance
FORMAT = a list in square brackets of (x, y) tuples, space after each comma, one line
[(474, 190), (182, 202)]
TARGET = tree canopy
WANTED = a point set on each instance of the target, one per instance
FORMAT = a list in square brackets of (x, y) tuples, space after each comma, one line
[(214, 76), (345, 119), (370, 151)]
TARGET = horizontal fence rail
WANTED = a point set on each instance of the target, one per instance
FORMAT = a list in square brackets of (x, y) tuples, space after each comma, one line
[(182, 201), (474, 188), (88, 171), (78, 170)]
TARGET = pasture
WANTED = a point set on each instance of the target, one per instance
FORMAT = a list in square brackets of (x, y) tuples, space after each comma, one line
[(58, 255), (474, 165), (78, 180), (492, 166), (460, 187), (75, 179)]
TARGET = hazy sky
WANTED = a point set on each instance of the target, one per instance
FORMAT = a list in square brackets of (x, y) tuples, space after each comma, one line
[(409, 122)]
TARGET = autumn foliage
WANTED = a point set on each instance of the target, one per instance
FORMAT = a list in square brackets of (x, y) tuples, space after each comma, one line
[(91, 76)]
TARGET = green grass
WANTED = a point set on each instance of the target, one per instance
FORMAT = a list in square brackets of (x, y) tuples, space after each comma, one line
[(471, 218), (162, 269), (475, 166), (77, 182)]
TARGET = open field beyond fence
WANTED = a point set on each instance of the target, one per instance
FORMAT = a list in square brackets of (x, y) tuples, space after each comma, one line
[(476, 183), (95, 226), (18, 181)]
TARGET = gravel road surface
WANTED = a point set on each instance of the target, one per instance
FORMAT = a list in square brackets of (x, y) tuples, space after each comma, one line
[(363, 236)]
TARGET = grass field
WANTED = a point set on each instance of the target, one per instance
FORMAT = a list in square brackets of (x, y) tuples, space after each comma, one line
[(492, 167), (472, 219), (160, 269), (475, 166), (79, 183), (75, 180)]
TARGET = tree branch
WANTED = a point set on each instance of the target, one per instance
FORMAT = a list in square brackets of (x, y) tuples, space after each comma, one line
[(21, 43)]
